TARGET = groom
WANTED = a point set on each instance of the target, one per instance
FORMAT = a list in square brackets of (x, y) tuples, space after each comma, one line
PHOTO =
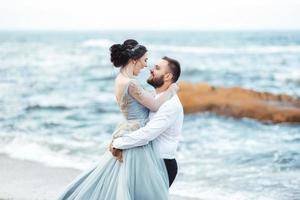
[(165, 125)]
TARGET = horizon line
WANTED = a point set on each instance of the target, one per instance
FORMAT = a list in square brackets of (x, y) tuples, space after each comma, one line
[(143, 30)]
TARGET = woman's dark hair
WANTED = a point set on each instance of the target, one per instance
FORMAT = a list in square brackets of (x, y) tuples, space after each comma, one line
[(120, 54)]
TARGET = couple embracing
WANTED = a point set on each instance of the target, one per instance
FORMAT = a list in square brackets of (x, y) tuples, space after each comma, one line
[(140, 161)]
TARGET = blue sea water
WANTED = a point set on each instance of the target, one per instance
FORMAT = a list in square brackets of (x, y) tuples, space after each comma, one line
[(57, 105)]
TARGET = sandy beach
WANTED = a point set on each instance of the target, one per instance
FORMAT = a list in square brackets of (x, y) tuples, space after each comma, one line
[(26, 180)]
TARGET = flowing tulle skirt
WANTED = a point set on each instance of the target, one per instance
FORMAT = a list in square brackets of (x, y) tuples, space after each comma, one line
[(141, 176)]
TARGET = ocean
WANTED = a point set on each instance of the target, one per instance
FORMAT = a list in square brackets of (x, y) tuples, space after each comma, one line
[(57, 105)]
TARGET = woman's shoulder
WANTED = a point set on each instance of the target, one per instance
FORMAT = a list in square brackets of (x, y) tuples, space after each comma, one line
[(122, 82)]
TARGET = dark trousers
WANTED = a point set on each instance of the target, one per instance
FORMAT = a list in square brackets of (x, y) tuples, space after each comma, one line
[(172, 168)]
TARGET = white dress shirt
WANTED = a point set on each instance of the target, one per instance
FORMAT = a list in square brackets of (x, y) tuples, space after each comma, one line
[(164, 128)]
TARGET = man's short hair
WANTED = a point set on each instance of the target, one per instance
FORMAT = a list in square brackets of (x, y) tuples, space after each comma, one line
[(174, 67)]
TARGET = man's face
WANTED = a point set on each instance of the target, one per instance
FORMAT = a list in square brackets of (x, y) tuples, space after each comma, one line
[(156, 78)]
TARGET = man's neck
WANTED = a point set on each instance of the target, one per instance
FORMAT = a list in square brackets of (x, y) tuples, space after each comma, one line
[(162, 88)]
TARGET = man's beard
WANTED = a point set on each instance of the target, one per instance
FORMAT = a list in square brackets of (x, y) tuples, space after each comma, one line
[(156, 82)]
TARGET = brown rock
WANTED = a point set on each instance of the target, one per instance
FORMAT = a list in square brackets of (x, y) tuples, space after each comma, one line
[(238, 102)]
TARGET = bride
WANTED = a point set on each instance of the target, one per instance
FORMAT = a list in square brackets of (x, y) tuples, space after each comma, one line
[(139, 173)]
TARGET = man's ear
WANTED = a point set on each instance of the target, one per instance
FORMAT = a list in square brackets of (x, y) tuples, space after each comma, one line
[(168, 76)]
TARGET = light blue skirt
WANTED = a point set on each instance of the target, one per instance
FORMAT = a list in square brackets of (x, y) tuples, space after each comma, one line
[(141, 176)]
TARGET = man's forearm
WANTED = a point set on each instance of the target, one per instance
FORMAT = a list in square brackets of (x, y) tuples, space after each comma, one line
[(127, 142), (156, 126)]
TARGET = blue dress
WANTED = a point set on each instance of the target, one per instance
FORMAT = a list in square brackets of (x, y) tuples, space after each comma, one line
[(141, 176)]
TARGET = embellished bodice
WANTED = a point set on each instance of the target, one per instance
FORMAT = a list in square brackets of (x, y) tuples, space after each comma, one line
[(132, 109)]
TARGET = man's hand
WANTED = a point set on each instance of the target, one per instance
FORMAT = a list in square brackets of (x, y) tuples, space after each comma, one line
[(116, 153)]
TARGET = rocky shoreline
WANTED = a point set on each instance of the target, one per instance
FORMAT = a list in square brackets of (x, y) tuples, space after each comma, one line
[(239, 102)]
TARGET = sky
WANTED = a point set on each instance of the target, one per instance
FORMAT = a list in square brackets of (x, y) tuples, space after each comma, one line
[(150, 15)]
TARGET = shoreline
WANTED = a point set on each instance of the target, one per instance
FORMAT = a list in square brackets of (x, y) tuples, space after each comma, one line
[(29, 180)]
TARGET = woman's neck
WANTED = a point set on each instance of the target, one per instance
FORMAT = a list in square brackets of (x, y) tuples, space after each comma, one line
[(127, 71)]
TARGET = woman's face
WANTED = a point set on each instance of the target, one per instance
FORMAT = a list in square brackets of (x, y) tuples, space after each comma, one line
[(140, 64)]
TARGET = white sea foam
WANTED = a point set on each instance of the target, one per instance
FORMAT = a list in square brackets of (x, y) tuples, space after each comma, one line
[(211, 192), (103, 43), (292, 76), (56, 100), (223, 50), (105, 97), (25, 148)]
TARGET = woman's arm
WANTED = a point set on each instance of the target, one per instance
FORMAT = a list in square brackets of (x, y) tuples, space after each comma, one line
[(145, 98)]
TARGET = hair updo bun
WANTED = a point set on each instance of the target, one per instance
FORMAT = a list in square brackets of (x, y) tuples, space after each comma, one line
[(120, 54)]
